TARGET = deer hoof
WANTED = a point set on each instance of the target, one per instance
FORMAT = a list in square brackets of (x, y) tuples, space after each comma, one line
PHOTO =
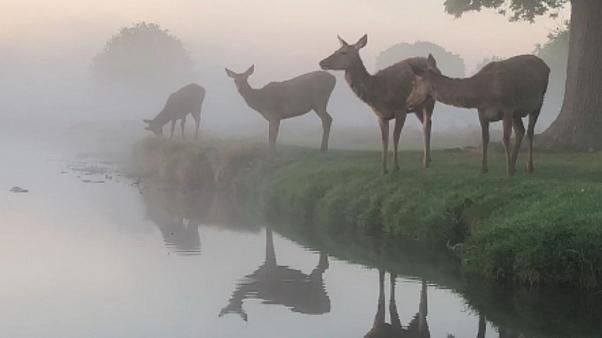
[(395, 168), (484, 170)]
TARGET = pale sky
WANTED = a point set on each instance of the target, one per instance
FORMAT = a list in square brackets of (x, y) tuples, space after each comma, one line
[(269, 33)]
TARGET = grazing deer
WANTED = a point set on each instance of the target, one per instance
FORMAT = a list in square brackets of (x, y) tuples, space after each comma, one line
[(386, 92), (418, 326), (282, 100), (505, 90), (278, 284), (187, 100)]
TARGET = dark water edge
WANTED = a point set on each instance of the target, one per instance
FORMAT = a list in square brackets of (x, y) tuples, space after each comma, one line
[(515, 311)]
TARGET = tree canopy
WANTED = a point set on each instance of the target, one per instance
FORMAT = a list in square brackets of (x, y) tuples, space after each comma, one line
[(449, 63), (143, 55), (517, 9)]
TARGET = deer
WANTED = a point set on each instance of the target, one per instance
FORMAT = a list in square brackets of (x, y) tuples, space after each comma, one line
[(277, 101), (418, 326), (506, 91), (280, 284), (387, 93), (187, 100)]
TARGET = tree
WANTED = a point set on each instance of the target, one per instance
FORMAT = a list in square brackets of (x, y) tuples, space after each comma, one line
[(555, 52), (144, 55), (449, 63), (579, 124)]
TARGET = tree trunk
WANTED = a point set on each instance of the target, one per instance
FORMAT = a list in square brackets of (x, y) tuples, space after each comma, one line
[(579, 124)]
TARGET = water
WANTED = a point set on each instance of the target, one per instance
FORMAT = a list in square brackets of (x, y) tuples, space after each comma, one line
[(88, 252)]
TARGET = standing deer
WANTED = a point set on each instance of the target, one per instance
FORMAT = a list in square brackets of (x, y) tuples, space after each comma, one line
[(505, 90), (386, 92), (282, 100), (187, 100)]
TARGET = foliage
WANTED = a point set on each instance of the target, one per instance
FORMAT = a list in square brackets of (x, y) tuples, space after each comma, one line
[(449, 63), (141, 55), (518, 9)]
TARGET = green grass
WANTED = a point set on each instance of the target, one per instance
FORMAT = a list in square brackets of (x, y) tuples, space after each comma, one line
[(541, 228)]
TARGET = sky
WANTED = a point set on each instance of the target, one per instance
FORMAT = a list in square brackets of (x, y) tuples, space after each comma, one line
[(46, 48), (264, 32)]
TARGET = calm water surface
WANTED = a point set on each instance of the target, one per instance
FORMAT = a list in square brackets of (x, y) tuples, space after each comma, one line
[(88, 252)]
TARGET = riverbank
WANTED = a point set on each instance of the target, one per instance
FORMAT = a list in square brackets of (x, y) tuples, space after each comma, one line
[(544, 228)]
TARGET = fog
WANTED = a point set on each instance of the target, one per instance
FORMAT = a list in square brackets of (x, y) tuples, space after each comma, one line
[(49, 93)]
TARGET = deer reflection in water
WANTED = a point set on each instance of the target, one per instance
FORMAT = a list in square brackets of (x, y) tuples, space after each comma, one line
[(179, 213), (180, 233), (278, 284), (418, 327)]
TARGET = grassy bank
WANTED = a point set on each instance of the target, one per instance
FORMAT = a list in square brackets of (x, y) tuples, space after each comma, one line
[(544, 228)]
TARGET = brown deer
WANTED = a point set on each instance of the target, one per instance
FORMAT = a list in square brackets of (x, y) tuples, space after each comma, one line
[(386, 92), (418, 326), (505, 90), (187, 100), (282, 100)]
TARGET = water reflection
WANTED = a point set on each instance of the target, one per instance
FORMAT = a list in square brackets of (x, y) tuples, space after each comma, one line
[(504, 312), (279, 284), (179, 213), (418, 326)]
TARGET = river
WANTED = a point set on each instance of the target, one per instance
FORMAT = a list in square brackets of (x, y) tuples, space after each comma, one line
[(90, 252)]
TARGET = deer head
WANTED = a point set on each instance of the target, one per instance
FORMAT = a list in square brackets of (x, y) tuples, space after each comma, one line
[(346, 56), (241, 78), (154, 126), (423, 78)]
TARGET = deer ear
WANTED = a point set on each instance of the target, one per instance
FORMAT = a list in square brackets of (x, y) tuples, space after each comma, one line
[(342, 42), (230, 73), (362, 42), (146, 121), (431, 62), (250, 71)]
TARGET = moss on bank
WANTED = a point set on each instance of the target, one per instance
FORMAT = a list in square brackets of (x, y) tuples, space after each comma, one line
[(544, 228)]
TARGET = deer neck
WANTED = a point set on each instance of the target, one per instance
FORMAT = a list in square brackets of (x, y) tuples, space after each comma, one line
[(252, 96), (360, 80), (163, 117), (454, 92)]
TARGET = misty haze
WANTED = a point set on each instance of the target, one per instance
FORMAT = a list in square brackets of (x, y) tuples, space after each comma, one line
[(300, 169)]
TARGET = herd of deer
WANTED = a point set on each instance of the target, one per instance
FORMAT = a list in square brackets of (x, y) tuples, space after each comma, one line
[(504, 91)]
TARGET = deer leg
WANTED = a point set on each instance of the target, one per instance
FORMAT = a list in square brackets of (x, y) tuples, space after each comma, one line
[(484, 141), (519, 133), (173, 126), (395, 321), (482, 327), (379, 318), (384, 133), (182, 123), (326, 123), (197, 124), (507, 131), (273, 133), (400, 119), (426, 130), (530, 135)]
